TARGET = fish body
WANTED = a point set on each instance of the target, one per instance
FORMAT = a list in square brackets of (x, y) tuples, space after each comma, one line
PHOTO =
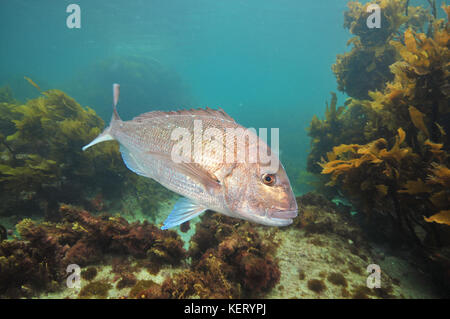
[(32, 83), (207, 181)]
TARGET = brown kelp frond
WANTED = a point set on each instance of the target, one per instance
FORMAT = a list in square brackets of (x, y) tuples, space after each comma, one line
[(417, 118), (388, 152), (440, 174), (374, 152), (437, 151), (396, 153), (423, 54), (415, 187), (372, 51), (443, 217)]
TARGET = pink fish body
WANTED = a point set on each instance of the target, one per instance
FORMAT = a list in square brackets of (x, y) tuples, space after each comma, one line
[(241, 188)]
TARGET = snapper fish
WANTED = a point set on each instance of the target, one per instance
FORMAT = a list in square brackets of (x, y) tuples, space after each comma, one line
[(245, 189)]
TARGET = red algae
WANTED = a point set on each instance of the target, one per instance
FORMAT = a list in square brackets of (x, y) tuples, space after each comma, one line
[(79, 238)]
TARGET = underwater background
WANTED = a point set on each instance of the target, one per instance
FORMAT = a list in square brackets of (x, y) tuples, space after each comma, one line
[(363, 117)]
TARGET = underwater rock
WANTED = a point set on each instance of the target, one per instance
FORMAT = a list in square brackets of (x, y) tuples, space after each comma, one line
[(40, 258), (127, 280), (318, 215), (147, 289), (95, 289), (25, 268), (324, 261), (331, 261), (235, 259), (116, 235), (230, 253)]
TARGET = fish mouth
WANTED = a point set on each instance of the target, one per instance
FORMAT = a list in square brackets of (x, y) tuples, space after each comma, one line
[(275, 218), (270, 217), (283, 214), (282, 218)]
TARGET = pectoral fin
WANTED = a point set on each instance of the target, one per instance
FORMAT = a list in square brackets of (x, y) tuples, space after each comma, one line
[(183, 211), (131, 162)]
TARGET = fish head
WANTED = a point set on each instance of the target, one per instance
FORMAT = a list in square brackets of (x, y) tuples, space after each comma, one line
[(264, 195)]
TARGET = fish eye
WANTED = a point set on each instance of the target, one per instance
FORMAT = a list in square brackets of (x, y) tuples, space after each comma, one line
[(268, 179)]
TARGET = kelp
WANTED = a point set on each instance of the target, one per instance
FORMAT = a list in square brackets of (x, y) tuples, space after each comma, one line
[(49, 132), (414, 187), (41, 160), (6, 95), (42, 164), (439, 174), (372, 52), (443, 217), (350, 157), (394, 167), (341, 125), (417, 118)]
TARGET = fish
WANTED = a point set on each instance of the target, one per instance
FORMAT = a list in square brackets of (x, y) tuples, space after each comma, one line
[(32, 82), (242, 186), (441, 129)]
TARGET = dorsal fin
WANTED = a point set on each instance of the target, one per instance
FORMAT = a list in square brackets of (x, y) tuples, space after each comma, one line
[(220, 113)]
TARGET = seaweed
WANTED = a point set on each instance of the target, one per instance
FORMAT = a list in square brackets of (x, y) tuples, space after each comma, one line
[(229, 260), (38, 260), (372, 52), (396, 172), (41, 160), (3, 233), (42, 164), (89, 273), (25, 268), (147, 289), (316, 285), (95, 289), (6, 95), (337, 279), (342, 124), (127, 280)]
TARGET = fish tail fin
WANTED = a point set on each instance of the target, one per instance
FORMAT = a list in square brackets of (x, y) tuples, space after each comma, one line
[(106, 135), (116, 93)]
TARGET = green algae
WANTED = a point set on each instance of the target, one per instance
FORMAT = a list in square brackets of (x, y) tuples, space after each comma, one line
[(97, 289), (316, 285), (89, 273)]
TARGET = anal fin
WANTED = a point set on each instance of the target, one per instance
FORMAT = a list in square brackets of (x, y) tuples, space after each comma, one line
[(183, 211)]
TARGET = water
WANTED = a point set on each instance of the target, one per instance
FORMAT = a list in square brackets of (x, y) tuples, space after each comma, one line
[(266, 63)]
